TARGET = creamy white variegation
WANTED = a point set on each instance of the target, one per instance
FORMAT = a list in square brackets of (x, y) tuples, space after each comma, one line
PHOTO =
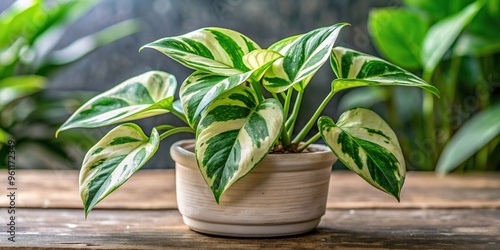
[(215, 50), (259, 61), (303, 56), (358, 139), (201, 88), (356, 69), (111, 162), (230, 144), (145, 95)]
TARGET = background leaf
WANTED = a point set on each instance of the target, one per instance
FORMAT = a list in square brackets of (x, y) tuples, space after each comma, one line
[(442, 35), (15, 87), (399, 34), (474, 134)]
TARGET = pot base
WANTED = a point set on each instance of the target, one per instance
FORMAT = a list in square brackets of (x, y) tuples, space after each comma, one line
[(250, 231)]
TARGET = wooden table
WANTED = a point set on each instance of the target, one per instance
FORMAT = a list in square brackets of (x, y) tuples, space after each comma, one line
[(452, 212)]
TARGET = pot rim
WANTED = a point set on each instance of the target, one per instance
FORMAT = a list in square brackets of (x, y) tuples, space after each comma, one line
[(182, 152)]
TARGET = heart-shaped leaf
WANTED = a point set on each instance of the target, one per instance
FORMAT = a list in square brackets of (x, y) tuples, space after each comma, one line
[(142, 96), (215, 50), (356, 69), (201, 88), (303, 56), (233, 125), (391, 32), (367, 145), (112, 161)]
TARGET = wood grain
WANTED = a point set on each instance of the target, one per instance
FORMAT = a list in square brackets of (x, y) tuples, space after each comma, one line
[(155, 189), (339, 229)]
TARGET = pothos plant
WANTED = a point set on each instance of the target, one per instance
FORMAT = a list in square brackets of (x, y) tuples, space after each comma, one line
[(242, 102)]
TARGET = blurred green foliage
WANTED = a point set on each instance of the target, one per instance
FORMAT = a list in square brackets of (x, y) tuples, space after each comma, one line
[(29, 112), (455, 46)]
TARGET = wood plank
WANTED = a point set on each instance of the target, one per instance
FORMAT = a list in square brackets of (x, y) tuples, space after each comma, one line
[(339, 229), (155, 189)]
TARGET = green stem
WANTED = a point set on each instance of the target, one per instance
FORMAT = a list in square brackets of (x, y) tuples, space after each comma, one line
[(288, 100), (175, 131), (290, 123), (312, 140), (285, 139), (180, 115), (303, 133), (256, 88), (164, 127)]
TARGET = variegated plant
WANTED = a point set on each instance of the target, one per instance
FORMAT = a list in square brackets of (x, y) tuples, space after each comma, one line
[(238, 102)]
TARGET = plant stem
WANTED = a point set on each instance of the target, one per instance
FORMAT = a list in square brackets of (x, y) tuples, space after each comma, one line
[(290, 123), (164, 127), (286, 106), (312, 140), (175, 131), (256, 88), (285, 139), (428, 113), (180, 115), (303, 133)]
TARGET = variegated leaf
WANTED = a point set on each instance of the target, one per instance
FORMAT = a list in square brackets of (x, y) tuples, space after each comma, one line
[(259, 61), (356, 69), (282, 45), (201, 88), (302, 58), (368, 146), (112, 161), (142, 96), (215, 50), (235, 133)]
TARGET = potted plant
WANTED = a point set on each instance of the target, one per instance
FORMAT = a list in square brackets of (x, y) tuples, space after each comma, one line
[(239, 104)]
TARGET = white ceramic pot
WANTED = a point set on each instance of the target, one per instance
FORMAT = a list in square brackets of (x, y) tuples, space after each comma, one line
[(284, 195)]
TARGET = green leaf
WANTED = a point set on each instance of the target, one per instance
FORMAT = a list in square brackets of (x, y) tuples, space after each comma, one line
[(15, 87), (112, 161), (235, 133), (368, 146), (355, 69), (399, 34), (4, 137), (472, 45), (83, 46), (201, 88), (437, 10), (474, 134), (215, 50), (302, 58), (145, 95), (442, 35)]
